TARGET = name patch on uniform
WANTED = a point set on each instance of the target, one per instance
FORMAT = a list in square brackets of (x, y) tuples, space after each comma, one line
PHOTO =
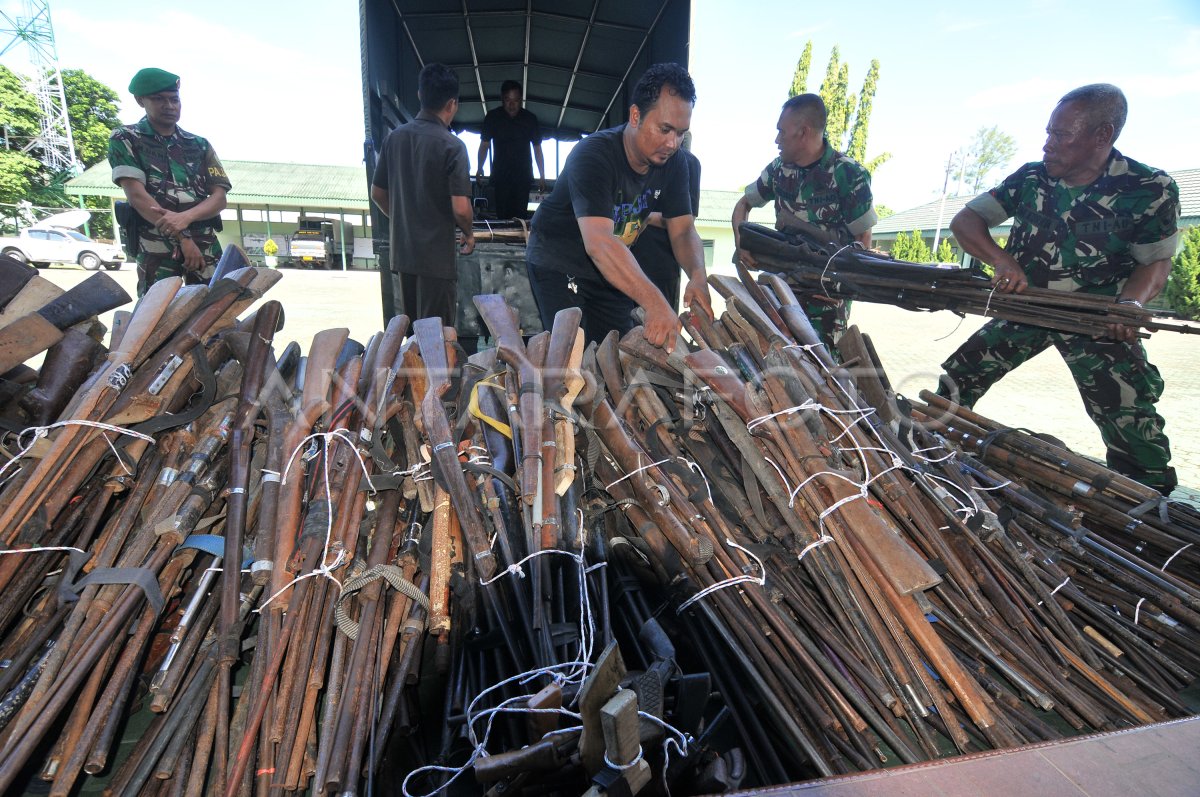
[(214, 171), (1042, 221), (1103, 226)]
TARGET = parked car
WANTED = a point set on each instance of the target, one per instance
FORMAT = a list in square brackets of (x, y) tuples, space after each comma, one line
[(43, 245)]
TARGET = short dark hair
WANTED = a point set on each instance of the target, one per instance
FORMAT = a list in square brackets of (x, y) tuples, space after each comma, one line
[(509, 85), (811, 107), (1105, 104), (436, 85), (658, 77)]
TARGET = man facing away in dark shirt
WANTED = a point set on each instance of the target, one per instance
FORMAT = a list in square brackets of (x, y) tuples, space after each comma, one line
[(422, 183), (509, 131)]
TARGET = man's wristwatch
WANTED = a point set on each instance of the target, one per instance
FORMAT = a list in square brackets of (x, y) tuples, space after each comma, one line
[(1134, 302)]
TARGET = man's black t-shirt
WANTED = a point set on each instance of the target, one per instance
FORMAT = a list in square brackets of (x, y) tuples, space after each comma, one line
[(511, 139), (597, 180)]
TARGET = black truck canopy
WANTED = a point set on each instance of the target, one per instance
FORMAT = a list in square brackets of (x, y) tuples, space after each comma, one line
[(577, 59)]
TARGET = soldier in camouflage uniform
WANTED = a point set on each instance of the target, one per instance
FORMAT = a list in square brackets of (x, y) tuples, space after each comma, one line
[(813, 185), (175, 182), (1085, 219)]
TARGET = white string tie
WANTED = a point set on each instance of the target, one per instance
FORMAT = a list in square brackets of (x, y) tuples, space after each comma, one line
[(326, 568), (808, 404), (1054, 591), (1172, 557), (695, 468), (825, 539), (829, 262), (636, 471), (1000, 486), (1137, 610), (637, 759), (988, 305), (42, 549), (779, 470), (327, 437), (760, 579), (36, 433)]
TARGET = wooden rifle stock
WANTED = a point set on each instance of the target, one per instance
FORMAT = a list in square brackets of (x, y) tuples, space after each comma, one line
[(431, 340), (498, 317), (34, 294), (97, 294), (13, 276), (92, 403), (67, 365), (314, 402), (26, 338)]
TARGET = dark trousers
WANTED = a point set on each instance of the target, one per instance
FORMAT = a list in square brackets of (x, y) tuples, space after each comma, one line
[(604, 307), (512, 197), (418, 296)]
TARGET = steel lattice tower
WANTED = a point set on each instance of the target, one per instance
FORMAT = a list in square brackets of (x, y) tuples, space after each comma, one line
[(55, 143)]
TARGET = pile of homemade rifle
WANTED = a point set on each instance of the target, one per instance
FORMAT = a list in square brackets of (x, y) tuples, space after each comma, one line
[(816, 265), (548, 569)]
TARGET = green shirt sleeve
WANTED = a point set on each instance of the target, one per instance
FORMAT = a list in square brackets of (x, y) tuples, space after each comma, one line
[(121, 157)]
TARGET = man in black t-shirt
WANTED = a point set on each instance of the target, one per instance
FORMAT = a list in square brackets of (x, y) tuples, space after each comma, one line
[(578, 253), (653, 247), (509, 131)]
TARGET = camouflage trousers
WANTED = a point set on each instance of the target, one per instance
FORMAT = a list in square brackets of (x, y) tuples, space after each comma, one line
[(1119, 387), (153, 266), (829, 321)]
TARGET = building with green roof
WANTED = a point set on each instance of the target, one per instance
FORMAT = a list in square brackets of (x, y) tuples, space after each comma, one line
[(269, 199)]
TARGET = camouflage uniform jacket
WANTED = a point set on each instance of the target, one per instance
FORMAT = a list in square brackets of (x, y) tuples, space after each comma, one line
[(834, 194), (179, 171), (1085, 238)]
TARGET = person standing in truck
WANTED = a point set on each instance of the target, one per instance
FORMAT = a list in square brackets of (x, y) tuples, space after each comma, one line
[(174, 181), (422, 183), (1086, 219), (510, 132)]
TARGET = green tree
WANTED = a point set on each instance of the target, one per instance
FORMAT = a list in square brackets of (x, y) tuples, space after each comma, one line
[(800, 76), (991, 149), (92, 113), (19, 126), (1183, 285), (833, 92), (92, 110), (883, 211), (945, 254), (912, 248), (849, 115)]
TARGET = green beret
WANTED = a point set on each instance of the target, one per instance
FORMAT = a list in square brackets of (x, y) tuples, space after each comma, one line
[(151, 81)]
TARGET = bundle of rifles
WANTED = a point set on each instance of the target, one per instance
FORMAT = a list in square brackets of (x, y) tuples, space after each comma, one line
[(814, 263), (547, 568)]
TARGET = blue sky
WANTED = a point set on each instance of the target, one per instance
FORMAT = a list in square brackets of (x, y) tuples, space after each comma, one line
[(282, 81)]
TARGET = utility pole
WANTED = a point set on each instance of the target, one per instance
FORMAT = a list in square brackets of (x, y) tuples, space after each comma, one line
[(55, 144), (937, 235)]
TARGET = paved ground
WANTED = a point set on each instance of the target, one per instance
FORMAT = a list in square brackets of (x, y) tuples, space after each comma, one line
[(1039, 395)]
